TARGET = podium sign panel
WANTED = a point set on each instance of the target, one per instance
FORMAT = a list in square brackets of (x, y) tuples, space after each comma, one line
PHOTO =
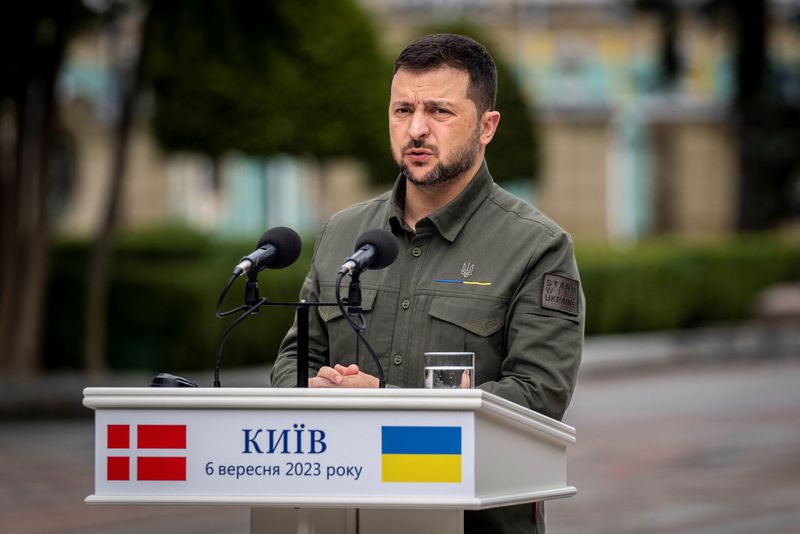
[(284, 453), (315, 460)]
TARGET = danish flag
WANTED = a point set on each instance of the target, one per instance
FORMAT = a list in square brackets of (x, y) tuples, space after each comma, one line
[(147, 437)]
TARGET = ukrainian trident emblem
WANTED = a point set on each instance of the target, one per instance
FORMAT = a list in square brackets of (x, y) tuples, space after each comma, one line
[(467, 269)]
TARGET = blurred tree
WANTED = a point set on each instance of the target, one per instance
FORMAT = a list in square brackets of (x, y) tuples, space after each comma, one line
[(764, 119), (302, 78), (513, 154), (128, 61), (669, 18), (256, 77), (33, 41)]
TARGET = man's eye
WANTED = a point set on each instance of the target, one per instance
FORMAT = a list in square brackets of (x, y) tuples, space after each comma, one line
[(401, 111), (441, 111)]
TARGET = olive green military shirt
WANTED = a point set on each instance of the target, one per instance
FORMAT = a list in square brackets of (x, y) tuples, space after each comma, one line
[(487, 273)]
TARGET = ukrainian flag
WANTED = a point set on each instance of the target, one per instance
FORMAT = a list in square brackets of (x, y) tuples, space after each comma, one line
[(421, 454)]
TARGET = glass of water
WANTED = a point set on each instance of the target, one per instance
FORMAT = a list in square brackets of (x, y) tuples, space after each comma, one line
[(449, 370)]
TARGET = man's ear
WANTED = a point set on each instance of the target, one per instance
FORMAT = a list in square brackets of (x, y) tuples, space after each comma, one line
[(488, 125)]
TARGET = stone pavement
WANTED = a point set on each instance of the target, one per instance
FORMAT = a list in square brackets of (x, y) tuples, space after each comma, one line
[(711, 449), (48, 470)]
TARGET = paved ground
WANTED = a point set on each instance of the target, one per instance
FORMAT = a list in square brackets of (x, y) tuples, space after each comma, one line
[(700, 450), (48, 471), (709, 449)]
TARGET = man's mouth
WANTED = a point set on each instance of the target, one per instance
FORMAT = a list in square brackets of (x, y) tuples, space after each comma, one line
[(419, 154)]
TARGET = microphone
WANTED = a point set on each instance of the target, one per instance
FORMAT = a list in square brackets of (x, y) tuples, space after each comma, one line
[(375, 249), (279, 247)]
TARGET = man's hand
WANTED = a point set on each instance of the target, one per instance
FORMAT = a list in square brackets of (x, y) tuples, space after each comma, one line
[(339, 376)]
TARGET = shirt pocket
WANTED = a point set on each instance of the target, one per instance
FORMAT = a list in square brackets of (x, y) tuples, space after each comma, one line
[(343, 344), (471, 325), (544, 312)]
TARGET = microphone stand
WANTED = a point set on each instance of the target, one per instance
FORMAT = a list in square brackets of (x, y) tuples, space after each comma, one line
[(302, 344), (302, 309), (353, 303), (252, 303), (251, 295), (249, 311)]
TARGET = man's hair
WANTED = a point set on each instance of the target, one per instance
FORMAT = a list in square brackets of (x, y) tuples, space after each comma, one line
[(459, 52)]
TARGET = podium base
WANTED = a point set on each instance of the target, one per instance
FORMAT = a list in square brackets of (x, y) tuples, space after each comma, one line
[(355, 521)]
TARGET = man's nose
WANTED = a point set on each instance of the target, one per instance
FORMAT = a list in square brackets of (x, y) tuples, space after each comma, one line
[(418, 129)]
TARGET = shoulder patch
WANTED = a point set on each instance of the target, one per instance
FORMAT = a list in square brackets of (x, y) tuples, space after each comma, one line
[(560, 293)]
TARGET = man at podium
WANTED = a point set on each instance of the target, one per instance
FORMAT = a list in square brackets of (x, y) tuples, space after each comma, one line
[(479, 270)]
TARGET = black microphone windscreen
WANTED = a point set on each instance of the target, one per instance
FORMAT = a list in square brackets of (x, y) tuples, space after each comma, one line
[(384, 242), (287, 244)]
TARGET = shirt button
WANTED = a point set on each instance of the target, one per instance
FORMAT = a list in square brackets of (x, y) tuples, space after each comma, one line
[(405, 304), (416, 252), (398, 359)]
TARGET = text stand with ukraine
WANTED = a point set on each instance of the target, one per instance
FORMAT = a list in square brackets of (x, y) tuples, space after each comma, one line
[(349, 461)]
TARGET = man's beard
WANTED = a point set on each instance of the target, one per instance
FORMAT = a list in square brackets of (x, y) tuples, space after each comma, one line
[(444, 172)]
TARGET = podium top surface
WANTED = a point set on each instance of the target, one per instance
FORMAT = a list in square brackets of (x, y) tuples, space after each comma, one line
[(391, 399)]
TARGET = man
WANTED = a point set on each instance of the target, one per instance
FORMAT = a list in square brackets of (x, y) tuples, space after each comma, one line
[(478, 270)]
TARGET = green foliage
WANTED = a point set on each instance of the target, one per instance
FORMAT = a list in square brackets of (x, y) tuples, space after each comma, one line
[(666, 285), (513, 154), (303, 78), (165, 285)]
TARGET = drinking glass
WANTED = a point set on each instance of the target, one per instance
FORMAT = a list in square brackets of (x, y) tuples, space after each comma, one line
[(449, 370)]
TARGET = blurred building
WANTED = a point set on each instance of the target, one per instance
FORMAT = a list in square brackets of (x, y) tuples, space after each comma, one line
[(624, 156), (236, 196)]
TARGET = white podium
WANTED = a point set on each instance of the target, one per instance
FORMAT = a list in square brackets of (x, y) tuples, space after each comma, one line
[(326, 461)]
